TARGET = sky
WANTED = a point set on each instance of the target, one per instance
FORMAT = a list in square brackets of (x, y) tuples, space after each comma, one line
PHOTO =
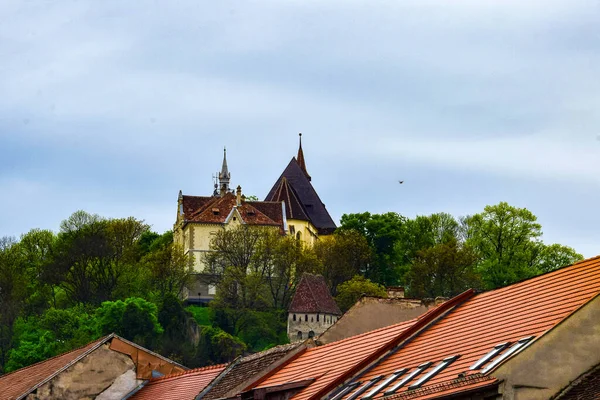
[(114, 106)]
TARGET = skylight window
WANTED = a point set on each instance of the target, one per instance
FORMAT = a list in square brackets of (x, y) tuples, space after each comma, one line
[(347, 389), (385, 383), (408, 378), (515, 347), (365, 387), (443, 364), (493, 353)]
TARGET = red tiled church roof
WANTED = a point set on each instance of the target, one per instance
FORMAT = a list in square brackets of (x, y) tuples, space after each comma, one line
[(216, 209), (181, 386), (313, 296)]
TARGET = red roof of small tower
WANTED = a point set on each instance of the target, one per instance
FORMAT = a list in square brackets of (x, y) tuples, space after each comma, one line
[(312, 296)]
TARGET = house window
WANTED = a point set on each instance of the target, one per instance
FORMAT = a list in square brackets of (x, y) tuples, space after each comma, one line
[(294, 317), (300, 335), (311, 334), (305, 317)]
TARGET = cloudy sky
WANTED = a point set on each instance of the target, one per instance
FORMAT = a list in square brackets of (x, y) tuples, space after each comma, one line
[(114, 106)]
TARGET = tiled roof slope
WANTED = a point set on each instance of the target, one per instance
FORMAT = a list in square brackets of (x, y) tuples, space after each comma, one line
[(293, 207), (585, 388), (313, 296), (315, 209), (328, 363), (181, 386), (216, 209), (247, 368), (24, 380), (531, 307)]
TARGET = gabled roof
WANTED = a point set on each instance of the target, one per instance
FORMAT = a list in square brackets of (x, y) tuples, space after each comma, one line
[(248, 368), (216, 209), (293, 207), (23, 381), (20, 383), (472, 330), (311, 204), (313, 296), (179, 386)]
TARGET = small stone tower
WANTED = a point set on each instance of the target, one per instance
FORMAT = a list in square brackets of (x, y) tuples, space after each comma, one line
[(312, 309)]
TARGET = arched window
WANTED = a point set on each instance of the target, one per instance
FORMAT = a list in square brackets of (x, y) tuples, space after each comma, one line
[(311, 334), (299, 335), (294, 317), (299, 235)]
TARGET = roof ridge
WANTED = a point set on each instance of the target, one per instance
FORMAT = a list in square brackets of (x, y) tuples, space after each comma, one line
[(586, 260), (189, 372)]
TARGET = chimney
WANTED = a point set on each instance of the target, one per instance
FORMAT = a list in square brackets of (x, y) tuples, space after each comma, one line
[(395, 292), (238, 195)]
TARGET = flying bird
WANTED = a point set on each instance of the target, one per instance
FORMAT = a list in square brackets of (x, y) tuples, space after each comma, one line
[(401, 182)]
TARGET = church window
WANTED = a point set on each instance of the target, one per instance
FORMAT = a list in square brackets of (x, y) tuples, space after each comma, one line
[(292, 230), (299, 235), (300, 335), (311, 334)]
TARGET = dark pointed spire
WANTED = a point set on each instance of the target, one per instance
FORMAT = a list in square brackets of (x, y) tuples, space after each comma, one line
[(224, 175), (300, 158)]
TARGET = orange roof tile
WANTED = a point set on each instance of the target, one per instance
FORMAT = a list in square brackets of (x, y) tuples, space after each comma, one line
[(531, 307), (23, 381), (180, 386)]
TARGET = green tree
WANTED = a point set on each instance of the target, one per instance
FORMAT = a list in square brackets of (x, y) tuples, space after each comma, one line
[(507, 240), (384, 233), (445, 269), (342, 256), (165, 266), (350, 291), (13, 292), (95, 258), (134, 319), (556, 256)]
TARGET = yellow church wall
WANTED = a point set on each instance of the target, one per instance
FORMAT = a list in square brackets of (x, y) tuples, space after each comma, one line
[(308, 233)]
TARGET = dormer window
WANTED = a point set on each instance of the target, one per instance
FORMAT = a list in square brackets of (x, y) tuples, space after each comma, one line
[(215, 211)]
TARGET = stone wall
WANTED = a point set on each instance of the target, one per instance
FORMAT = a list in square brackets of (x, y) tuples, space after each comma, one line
[(307, 323)]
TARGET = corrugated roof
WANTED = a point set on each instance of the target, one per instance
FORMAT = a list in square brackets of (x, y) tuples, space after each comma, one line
[(528, 308), (312, 296), (180, 386)]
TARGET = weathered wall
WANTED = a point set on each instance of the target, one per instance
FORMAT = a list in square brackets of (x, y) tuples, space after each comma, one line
[(123, 385), (555, 359), (371, 313), (86, 378), (306, 322)]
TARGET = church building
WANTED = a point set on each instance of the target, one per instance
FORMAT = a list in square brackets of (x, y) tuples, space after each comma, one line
[(292, 207)]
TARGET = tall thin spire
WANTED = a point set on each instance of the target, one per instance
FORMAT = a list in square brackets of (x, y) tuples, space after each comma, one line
[(224, 175), (300, 158)]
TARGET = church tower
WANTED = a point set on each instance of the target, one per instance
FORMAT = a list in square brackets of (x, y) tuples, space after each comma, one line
[(224, 176)]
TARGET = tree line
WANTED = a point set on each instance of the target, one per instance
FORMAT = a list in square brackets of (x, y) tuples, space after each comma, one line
[(96, 275)]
